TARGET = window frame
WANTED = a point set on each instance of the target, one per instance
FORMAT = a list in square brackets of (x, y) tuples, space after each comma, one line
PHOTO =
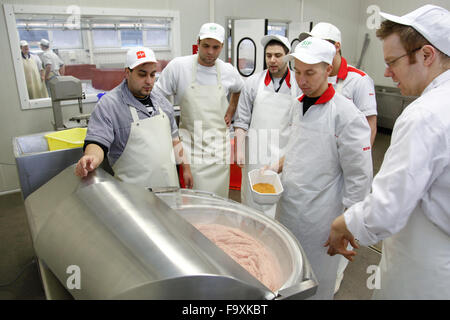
[(10, 15)]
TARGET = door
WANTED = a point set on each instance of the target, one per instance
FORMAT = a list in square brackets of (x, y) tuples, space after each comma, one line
[(247, 51)]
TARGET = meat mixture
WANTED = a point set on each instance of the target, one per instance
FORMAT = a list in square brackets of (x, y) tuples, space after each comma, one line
[(251, 254)]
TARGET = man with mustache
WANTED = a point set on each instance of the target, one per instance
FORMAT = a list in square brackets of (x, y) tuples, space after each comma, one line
[(135, 127)]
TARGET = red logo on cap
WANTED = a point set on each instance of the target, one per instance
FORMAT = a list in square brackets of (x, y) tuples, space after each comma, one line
[(140, 54)]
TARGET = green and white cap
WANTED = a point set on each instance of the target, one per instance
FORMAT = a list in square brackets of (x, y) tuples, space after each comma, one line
[(313, 50), (213, 31)]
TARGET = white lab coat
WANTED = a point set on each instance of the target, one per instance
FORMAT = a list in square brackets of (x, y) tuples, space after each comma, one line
[(328, 167), (409, 206), (270, 128)]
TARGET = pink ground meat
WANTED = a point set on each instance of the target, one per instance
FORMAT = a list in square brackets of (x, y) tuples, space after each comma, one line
[(247, 251)]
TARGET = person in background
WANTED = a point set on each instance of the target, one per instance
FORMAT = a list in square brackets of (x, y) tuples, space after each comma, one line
[(135, 127), (328, 163), (200, 85), (52, 63), (409, 207), (265, 107), (34, 73), (349, 81), (354, 84)]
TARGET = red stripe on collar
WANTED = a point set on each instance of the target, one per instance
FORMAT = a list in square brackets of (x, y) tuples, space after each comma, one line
[(343, 69), (288, 78), (268, 79), (325, 97)]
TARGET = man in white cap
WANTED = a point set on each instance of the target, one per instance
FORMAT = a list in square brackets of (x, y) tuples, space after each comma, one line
[(53, 65), (34, 73), (349, 81), (409, 207), (200, 85), (328, 163), (135, 127), (354, 84), (265, 111)]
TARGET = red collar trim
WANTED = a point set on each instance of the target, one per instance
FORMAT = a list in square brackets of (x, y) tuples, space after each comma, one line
[(268, 79), (325, 97), (343, 69), (288, 78)]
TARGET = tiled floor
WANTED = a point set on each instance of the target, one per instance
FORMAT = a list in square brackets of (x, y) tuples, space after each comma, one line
[(19, 277)]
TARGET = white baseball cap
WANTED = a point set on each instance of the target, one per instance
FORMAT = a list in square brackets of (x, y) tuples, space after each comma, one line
[(430, 21), (213, 31), (45, 42), (283, 40), (139, 55), (313, 50), (23, 43), (325, 31)]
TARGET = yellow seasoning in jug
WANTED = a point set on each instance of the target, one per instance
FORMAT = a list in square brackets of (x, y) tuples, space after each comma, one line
[(264, 188)]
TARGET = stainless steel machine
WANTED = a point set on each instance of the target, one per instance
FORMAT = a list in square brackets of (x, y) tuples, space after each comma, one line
[(130, 243), (64, 88)]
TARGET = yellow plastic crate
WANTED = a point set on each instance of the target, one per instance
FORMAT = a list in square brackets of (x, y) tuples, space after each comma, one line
[(66, 139)]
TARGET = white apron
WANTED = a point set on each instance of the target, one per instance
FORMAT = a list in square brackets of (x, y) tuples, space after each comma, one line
[(148, 159), (416, 262), (343, 262), (205, 135), (313, 192), (36, 88), (267, 137)]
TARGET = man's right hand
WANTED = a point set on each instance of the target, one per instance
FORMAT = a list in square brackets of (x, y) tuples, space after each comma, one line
[(86, 164)]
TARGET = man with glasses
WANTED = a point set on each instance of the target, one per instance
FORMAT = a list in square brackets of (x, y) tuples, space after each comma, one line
[(409, 207)]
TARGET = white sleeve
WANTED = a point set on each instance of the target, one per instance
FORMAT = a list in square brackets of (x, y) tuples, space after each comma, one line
[(355, 157), (415, 158), (364, 96), (38, 62), (243, 115), (167, 83), (237, 82)]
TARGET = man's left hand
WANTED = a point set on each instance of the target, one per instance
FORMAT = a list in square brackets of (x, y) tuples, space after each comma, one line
[(339, 238)]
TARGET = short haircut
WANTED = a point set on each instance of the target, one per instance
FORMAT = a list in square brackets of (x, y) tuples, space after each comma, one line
[(409, 37), (276, 43)]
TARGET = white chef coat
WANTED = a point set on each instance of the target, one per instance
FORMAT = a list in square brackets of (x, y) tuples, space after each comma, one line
[(50, 58), (413, 187), (328, 167), (177, 76), (243, 115), (357, 86)]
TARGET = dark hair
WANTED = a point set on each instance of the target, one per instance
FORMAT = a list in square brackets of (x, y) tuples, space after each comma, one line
[(276, 43), (409, 37)]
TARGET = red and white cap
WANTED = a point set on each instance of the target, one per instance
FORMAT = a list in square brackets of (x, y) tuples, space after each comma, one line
[(430, 21), (139, 55), (313, 50)]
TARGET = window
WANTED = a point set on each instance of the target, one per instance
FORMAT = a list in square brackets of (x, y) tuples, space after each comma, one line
[(93, 49), (246, 57)]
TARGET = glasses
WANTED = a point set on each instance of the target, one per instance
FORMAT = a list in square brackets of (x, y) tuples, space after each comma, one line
[(391, 63)]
